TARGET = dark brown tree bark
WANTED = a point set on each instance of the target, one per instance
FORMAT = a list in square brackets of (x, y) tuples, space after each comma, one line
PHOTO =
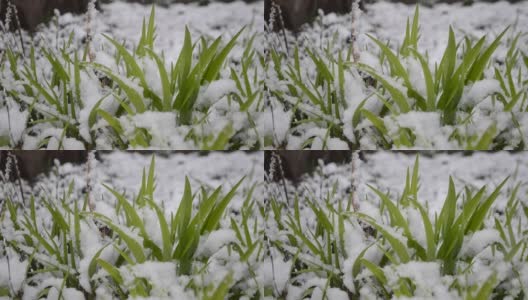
[(32, 163), (297, 12), (33, 12), (295, 163)]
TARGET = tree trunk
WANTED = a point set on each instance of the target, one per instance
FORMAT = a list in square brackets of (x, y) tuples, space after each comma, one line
[(297, 12), (33, 12), (296, 163), (32, 163)]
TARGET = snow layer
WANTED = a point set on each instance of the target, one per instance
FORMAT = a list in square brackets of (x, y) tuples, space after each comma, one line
[(122, 22), (279, 267), (478, 110), (479, 255), (123, 172)]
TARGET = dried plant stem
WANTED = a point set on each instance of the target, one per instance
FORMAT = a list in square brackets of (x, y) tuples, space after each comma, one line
[(90, 16), (277, 11), (19, 29), (89, 166), (269, 179), (19, 180), (8, 266), (355, 169), (278, 160), (355, 18), (11, 18)]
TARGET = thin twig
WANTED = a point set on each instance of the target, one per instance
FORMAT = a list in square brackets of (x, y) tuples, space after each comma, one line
[(269, 179), (19, 179), (355, 166), (277, 11), (283, 180), (355, 18), (89, 166), (19, 29), (8, 268)]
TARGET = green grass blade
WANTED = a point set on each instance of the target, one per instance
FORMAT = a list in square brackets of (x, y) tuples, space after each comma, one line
[(481, 63), (477, 219), (111, 270), (211, 222)]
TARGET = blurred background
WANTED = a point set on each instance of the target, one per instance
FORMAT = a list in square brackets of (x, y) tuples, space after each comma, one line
[(32, 163), (294, 12), (32, 12)]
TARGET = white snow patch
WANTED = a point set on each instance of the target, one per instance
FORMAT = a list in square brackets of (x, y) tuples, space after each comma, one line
[(275, 123), (479, 91), (216, 240), (215, 91), (162, 276), (276, 273), (13, 270), (477, 242), (12, 122)]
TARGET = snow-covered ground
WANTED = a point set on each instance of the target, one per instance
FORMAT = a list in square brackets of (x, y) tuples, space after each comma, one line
[(385, 171), (387, 21), (478, 258), (220, 107), (123, 21), (266, 244), (303, 124), (122, 171), (256, 101)]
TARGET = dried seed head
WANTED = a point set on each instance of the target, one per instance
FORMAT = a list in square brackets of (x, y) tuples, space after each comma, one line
[(355, 19), (90, 16), (355, 177), (90, 165), (273, 16), (8, 168), (8, 17), (273, 167)]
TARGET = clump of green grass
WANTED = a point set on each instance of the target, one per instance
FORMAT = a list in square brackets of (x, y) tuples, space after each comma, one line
[(51, 235), (55, 85), (360, 105), (334, 248)]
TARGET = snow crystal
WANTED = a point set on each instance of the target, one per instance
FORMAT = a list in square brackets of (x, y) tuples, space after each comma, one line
[(294, 292), (72, 144), (216, 240), (152, 75), (477, 242), (354, 245), (415, 221), (215, 91), (337, 294), (274, 273), (71, 293), (370, 60), (416, 77), (162, 276), (17, 270), (90, 244), (160, 125), (90, 95), (275, 123), (12, 122), (106, 60), (337, 144), (426, 276), (479, 91), (426, 126), (317, 294)]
